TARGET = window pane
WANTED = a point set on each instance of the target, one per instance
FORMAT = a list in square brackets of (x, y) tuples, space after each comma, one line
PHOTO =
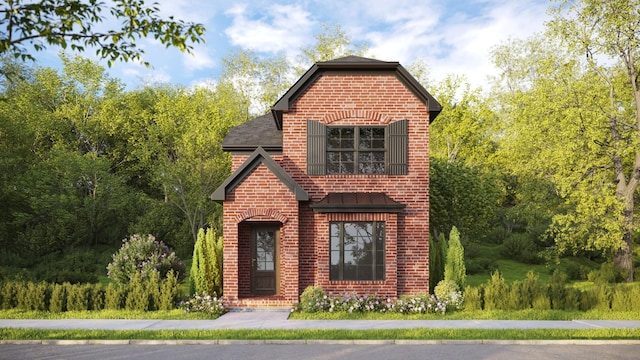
[(371, 138), (335, 237), (365, 272), (357, 251)]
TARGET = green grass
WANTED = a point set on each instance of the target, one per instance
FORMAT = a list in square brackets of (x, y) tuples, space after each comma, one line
[(324, 334), (104, 314), (475, 315)]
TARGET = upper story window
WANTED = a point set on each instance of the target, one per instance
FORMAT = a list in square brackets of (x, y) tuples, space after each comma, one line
[(357, 149)]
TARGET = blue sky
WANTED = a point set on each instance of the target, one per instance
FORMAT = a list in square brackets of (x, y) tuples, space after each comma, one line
[(451, 37)]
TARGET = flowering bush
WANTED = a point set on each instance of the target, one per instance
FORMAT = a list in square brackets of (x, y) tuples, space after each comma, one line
[(211, 305), (314, 299), (142, 254), (449, 290)]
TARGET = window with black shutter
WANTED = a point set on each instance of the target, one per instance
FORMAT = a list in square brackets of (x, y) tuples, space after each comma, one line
[(357, 149)]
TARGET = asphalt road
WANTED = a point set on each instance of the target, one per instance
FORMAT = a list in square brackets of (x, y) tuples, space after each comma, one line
[(320, 351)]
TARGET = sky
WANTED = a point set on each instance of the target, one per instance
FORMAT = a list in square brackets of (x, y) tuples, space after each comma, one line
[(451, 37)]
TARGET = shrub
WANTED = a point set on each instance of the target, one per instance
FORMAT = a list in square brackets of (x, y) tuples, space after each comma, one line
[(597, 297), (449, 291), (498, 235), (96, 296), (520, 247), (9, 295), (495, 293), (437, 255), (454, 268), (313, 299), (58, 301), (480, 265), (577, 272), (168, 292), (77, 297), (143, 255), (472, 298), (114, 296), (206, 304), (206, 267), (626, 298), (516, 299), (137, 296), (607, 274)]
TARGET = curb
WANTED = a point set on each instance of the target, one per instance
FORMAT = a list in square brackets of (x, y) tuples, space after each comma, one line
[(319, 342)]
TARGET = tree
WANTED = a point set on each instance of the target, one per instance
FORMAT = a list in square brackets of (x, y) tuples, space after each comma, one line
[(454, 268), (571, 107), (608, 31), (205, 276), (331, 43), (465, 129), (75, 24), (461, 196)]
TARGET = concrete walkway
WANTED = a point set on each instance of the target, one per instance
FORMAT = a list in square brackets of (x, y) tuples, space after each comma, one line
[(279, 320)]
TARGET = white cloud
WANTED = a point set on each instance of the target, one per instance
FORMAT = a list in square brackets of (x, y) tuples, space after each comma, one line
[(199, 59), (281, 28)]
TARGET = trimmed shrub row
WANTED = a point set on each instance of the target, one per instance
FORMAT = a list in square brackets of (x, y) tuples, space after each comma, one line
[(143, 295), (496, 294)]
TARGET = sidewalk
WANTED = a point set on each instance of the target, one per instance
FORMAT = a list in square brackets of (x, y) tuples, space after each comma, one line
[(278, 320)]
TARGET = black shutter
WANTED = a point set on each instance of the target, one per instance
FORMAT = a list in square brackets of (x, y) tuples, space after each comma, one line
[(398, 144), (316, 148)]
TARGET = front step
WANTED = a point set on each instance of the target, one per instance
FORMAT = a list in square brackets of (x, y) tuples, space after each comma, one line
[(259, 309)]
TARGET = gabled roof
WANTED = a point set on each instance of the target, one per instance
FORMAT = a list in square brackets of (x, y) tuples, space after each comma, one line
[(354, 63), (360, 202), (259, 156), (260, 131)]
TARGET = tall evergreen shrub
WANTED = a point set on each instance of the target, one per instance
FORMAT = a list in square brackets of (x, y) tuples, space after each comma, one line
[(206, 268), (454, 268), (437, 255)]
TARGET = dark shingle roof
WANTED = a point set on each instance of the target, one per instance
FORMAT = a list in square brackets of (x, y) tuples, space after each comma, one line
[(260, 131)]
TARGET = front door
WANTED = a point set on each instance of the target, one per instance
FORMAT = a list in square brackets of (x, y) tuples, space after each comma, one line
[(264, 260)]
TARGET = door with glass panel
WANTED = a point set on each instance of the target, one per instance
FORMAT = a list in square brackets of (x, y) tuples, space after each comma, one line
[(264, 260)]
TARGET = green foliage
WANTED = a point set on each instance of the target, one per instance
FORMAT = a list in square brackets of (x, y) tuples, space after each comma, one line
[(449, 291), (626, 298), (141, 255), (78, 297), (56, 23), (473, 298), (169, 292), (205, 277), (114, 297), (313, 299), (454, 268), (496, 292), (606, 274), (437, 255), (597, 297), (520, 247), (58, 300), (205, 304), (463, 197), (137, 297)]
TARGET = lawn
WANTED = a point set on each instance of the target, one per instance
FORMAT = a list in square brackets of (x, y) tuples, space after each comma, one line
[(374, 334)]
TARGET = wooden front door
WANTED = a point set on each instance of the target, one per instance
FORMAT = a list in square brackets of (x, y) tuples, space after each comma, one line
[(264, 260)]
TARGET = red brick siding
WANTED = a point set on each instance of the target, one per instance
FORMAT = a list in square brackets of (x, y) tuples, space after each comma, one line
[(364, 100), (259, 197), (335, 99)]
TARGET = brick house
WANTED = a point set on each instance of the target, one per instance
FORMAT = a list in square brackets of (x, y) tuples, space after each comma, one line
[(331, 188)]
